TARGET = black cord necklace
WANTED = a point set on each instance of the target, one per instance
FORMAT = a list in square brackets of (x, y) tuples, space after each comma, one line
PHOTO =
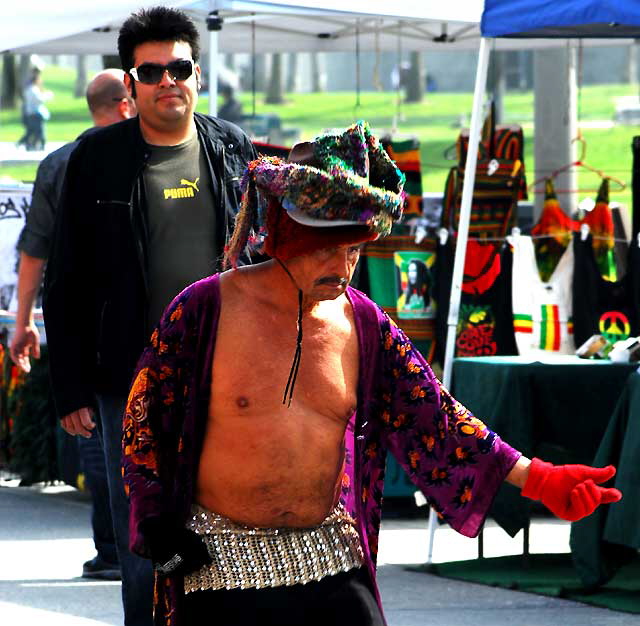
[(295, 366)]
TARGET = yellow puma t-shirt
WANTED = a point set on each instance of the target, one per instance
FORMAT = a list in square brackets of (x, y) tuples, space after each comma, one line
[(181, 200)]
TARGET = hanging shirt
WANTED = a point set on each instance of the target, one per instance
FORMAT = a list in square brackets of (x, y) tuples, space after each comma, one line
[(555, 223), (541, 310), (485, 323), (406, 155), (600, 222), (600, 306)]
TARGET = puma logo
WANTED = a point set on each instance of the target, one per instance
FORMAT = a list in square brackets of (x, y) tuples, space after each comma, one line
[(194, 184), (182, 192)]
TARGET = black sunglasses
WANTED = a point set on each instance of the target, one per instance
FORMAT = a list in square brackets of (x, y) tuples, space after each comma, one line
[(152, 73)]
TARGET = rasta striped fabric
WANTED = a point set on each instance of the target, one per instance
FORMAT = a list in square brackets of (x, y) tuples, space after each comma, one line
[(542, 310), (406, 155), (523, 323)]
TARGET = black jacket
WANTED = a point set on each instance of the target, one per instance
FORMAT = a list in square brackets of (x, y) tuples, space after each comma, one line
[(96, 283), (35, 238)]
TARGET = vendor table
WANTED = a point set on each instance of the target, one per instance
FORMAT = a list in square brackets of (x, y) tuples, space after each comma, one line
[(557, 410), (610, 537)]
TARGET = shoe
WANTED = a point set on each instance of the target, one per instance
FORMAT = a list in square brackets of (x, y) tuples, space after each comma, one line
[(97, 568)]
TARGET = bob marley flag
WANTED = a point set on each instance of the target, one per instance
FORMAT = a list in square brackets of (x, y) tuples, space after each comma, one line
[(381, 267), (415, 284)]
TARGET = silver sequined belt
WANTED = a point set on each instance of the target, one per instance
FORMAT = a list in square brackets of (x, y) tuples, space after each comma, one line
[(245, 557)]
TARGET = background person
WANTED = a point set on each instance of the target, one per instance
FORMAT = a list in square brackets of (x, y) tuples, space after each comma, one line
[(231, 109), (108, 102), (35, 112), (147, 209)]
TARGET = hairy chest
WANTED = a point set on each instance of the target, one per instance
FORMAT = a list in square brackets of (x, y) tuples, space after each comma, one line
[(253, 360)]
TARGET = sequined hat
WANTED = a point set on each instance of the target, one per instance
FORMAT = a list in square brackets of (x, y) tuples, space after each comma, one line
[(341, 188)]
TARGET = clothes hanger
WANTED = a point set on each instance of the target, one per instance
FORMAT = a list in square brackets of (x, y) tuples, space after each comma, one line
[(580, 162)]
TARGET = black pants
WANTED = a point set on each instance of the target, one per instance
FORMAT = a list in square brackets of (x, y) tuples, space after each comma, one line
[(333, 601)]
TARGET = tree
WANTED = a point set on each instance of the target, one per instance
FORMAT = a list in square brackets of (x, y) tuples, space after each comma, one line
[(497, 84), (292, 73), (414, 78), (274, 88), (254, 72), (110, 61), (632, 63), (317, 77), (10, 82), (81, 76), (24, 70)]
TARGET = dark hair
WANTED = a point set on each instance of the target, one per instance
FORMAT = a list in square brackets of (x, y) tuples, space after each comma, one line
[(423, 281), (36, 72), (156, 24)]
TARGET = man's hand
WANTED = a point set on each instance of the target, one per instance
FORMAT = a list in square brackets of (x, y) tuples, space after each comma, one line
[(25, 343), (569, 491), (174, 549), (79, 422)]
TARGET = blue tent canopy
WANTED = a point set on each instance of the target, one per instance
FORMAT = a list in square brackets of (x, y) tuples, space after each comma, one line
[(561, 18)]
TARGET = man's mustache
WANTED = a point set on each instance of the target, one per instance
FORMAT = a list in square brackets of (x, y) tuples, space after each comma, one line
[(331, 280)]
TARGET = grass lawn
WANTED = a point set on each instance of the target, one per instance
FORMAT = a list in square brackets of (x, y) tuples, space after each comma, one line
[(435, 121)]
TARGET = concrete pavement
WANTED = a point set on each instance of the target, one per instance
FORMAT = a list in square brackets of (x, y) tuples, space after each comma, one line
[(45, 537), (10, 153)]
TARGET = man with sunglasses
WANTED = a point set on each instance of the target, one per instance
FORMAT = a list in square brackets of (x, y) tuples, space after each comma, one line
[(147, 209)]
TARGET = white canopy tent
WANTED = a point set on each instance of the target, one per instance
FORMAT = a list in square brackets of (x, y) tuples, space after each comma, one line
[(63, 28), (37, 26), (66, 27)]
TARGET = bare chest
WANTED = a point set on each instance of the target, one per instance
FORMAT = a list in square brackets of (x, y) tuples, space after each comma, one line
[(254, 355)]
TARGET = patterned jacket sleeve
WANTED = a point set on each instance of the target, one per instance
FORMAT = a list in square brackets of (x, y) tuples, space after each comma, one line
[(153, 424), (450, 455)]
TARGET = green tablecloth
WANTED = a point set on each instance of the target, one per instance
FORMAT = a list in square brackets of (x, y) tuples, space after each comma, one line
[(610, 537), (557, 410)]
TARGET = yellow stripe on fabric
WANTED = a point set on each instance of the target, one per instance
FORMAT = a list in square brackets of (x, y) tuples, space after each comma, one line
[(549, 328), (522, 323)]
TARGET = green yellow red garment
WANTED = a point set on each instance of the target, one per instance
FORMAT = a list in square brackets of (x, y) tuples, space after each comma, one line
[(600, 223), (406, 154), (554, 222)]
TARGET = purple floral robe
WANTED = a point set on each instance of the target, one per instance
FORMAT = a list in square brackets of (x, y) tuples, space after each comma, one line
[(451, 456)]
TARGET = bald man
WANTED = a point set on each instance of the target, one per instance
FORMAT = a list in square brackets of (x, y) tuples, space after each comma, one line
[(108, 102)]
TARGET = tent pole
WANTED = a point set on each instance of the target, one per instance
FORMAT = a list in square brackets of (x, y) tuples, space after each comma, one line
[(213, 72), (463, 233)]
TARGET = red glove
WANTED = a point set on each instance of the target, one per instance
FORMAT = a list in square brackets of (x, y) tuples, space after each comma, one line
[(569, 491)]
